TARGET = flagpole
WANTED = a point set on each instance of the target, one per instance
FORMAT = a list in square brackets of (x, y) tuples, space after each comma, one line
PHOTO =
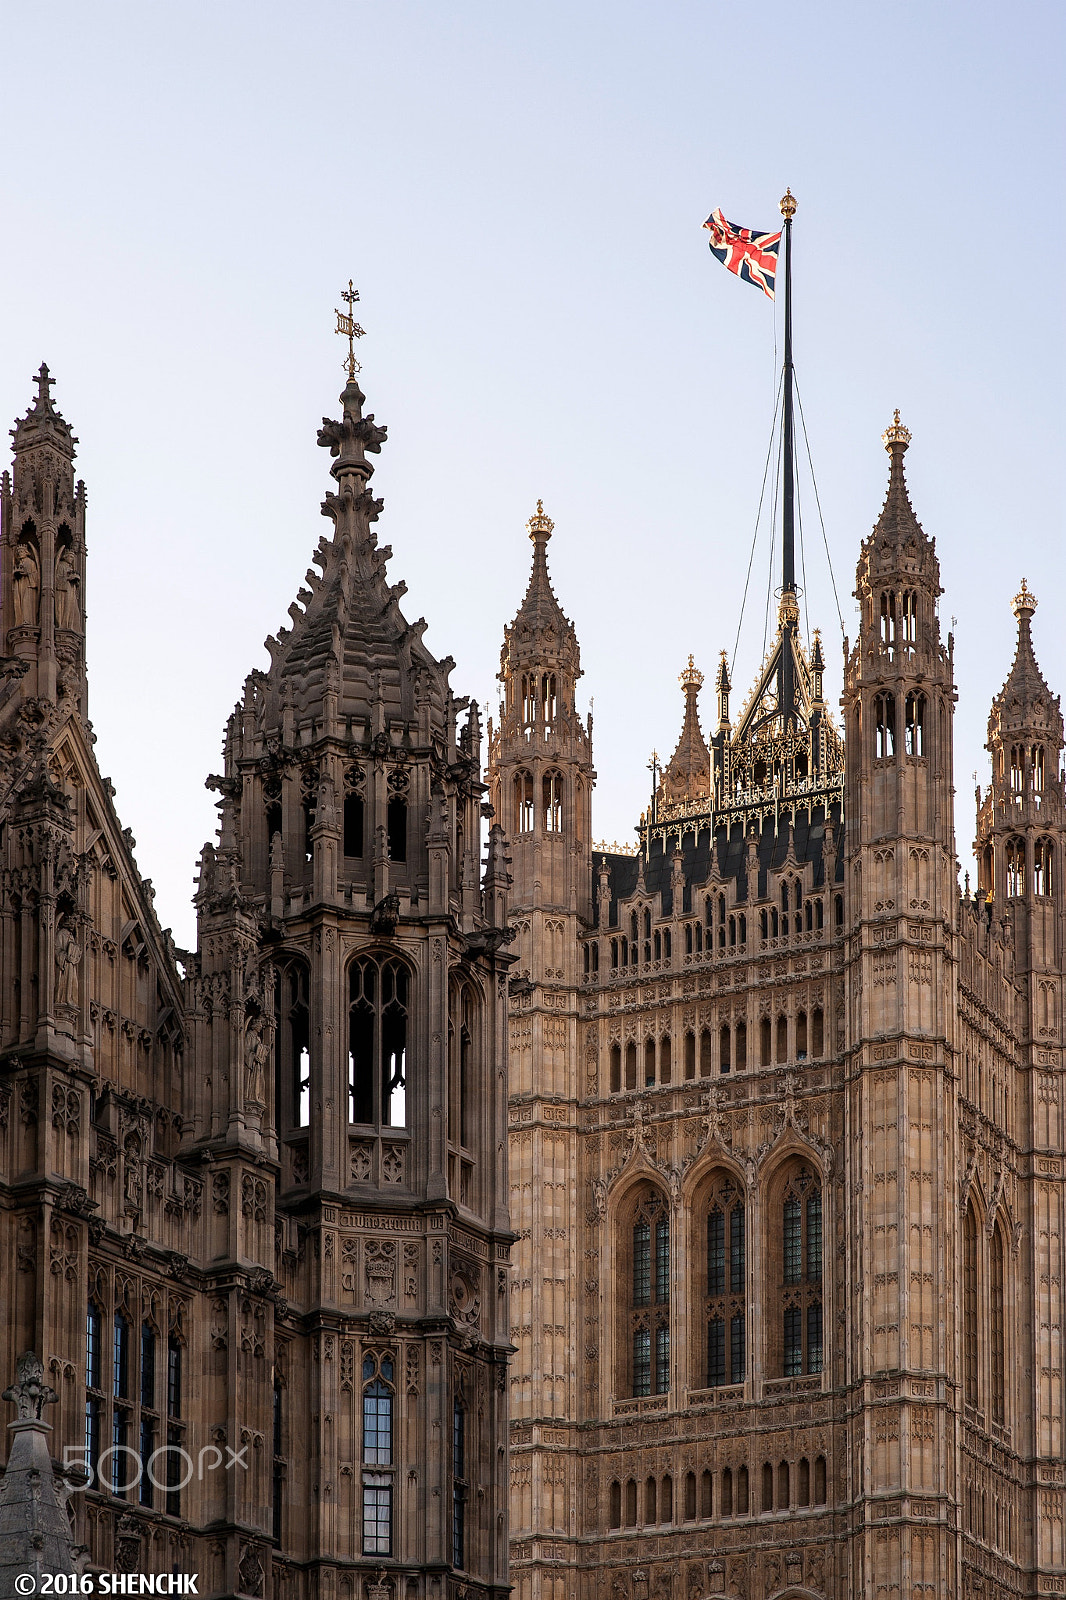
[(788, 580)]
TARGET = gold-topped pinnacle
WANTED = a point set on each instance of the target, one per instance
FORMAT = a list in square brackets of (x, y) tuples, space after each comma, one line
[(897, 434), (691, 678), (540, 525), (349, 328), (1024, 602), (788, 205)]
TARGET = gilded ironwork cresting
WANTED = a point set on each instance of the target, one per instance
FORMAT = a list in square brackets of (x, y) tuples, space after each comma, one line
[(349, 328)]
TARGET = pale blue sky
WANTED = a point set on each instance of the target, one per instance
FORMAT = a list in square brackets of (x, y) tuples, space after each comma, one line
[(518, 193)]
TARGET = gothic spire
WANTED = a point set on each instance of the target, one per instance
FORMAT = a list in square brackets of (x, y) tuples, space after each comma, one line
[(541, 630), (898, 543), (349, 645), (1025, 704), (688, 775)]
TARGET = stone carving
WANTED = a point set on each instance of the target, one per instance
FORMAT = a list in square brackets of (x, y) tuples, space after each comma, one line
[(67, 958), (380, 1271), (67, 582), (29, 1392), (258, 1042), (250, 1572), (25, 585)]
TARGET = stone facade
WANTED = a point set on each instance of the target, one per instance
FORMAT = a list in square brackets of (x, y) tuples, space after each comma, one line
[(253, 1197), (774, 1110), (786, 1127)]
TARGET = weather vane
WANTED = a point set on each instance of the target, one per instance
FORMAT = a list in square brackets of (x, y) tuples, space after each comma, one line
[(347, 325)]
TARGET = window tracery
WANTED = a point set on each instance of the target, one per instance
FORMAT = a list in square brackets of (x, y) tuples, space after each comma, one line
[(649, 1315), (378, 991), (725, 1310), (801, 1273)]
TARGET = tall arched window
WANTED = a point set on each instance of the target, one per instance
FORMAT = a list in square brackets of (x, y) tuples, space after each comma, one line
[(377, 1041), (914, 725), (1042, 881), (650, 1299), (353, 812), (801, 1273), (462, 1089), (1036, 770), (908, 620), (1017, 771), (396, 815), (1015, 859), (997, 1350), (523, 802), (726, 1285), (94, 1333), (292, 1044), (459, 1484), (378, 1391), (552, 802), (969, 1308), (888, 622), (884, 726)]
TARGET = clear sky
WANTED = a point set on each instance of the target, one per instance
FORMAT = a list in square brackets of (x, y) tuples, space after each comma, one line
[(518, 193)]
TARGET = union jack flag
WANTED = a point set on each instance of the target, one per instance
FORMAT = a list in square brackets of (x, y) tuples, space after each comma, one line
[(752, 256)]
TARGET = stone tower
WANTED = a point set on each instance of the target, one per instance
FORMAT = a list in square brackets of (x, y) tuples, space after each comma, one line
[(900, 1149), (347, 1011), (91, 1030), (816, 1225), (1012, 1193), (541, 784), (256, 1219)]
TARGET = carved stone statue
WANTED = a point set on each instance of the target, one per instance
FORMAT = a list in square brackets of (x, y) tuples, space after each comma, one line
[(29, 1391), (67, 957), (257, 1041), (68, 611), (25, 584)]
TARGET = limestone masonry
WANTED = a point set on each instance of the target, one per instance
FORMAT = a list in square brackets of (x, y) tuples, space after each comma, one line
[(476, 1207)]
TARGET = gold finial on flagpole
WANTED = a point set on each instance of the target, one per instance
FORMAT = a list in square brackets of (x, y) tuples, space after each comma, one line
[(349, 328), (788, 205)]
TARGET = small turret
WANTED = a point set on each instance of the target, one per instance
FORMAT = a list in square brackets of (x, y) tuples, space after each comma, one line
[(42, 568), (688, 775)]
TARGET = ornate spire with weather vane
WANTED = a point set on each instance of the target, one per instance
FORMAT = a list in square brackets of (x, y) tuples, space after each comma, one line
[(349, 328)]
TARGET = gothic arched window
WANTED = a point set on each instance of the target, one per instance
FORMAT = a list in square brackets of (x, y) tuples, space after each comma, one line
[(552, 802), (908, 620), (523, 802), (377, 1041), (1036, 770), (353, 812), (1015, 861), (888, 622), (914, 725), (649, 1317), (969, 1308), (378, 1400), (462, 1090), (94, 1333), (292, 1044), (1017, 771), (801, 1273), (726, 1314), (884, 726), (997, 1348), (459, 1484), (1042, 881)]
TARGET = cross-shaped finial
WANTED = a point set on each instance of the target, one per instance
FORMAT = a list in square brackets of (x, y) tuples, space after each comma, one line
[(44, 384), (349, 328)]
